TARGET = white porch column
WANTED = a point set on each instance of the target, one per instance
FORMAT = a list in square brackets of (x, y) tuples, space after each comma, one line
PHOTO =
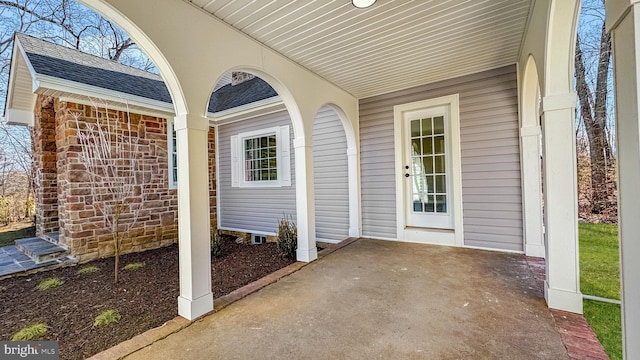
[(354, 192), (532, 191), (562, 287), (193, 217), (623, 20), (305, 200)]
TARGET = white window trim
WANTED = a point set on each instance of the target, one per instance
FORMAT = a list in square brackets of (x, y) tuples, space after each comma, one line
[(173, 182), (283, 156), (454, 237)]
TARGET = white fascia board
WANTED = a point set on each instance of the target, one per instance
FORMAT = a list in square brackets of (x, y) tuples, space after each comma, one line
[(19, 117), (42, 82), (248, 111)]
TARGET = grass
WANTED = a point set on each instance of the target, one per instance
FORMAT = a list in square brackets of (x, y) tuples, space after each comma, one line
[(107, 317), (599, 260), (50, 283), (604, 319), (30, 332), (134, 266), (600, 276), (87, 270), (8, 237)]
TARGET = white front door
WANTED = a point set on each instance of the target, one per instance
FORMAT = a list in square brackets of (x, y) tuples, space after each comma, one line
[(427, 168)]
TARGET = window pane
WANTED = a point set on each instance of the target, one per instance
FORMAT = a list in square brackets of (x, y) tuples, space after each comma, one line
[(440, 168), (439, 144), (415, 128), (438, 125), (261, 158), (427, 146), (441, 184), (426, 126)]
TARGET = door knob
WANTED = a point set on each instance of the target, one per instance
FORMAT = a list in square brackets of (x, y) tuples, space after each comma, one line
[(406, 175)]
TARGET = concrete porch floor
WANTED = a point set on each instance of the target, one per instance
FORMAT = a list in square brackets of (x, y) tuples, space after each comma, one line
[(385, 300)]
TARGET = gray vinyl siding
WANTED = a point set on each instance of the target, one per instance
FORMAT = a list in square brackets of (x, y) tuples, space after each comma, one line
[(491, 187), (253, 209), (331, 176)]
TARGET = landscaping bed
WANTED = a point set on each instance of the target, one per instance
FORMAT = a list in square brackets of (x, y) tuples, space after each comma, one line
[(145, 297)]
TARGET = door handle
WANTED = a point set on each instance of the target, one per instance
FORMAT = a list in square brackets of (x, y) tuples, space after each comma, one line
[(407, 175)]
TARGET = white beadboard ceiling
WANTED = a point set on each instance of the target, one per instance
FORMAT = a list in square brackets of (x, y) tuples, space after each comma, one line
[(395, 44)]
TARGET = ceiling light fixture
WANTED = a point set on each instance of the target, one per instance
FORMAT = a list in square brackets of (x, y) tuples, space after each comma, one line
[(361, 4)]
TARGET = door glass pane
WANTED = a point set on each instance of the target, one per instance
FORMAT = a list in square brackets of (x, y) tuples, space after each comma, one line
[(430, 188), (415, 128), (415, 144), (438, 141), (417, 204), (441, 182), (428, 164), (441, 203), (429, 206), (438, 125), (440, 168), (426, 126), (427, 146)]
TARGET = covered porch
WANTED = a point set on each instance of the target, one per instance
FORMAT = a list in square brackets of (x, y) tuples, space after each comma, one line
[(377, 298), (317, 54)]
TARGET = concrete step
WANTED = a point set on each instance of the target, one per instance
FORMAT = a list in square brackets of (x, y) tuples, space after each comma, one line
[(40, 250)]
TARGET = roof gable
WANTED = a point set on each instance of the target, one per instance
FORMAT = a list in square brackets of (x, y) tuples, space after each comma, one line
[(74, 71)]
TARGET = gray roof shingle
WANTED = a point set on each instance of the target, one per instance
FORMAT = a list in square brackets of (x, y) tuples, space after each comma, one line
[(73, 65)]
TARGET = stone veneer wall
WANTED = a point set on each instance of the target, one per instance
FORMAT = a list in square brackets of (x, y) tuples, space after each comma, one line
[(81, 228), (44, 164)]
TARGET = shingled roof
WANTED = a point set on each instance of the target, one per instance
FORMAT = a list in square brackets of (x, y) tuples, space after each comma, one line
[(72, 65), (69, 64), (247, 92)]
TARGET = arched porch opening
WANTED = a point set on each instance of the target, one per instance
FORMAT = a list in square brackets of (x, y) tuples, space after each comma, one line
[(530, 136)]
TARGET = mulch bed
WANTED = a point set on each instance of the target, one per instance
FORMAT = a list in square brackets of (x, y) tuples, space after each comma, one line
[(145, 298)]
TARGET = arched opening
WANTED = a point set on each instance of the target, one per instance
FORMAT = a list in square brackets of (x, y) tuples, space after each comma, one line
[(255, 169), (331, 176), (530, 137)]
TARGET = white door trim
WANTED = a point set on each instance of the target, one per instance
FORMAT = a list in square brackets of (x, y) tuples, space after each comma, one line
[(428, 235)]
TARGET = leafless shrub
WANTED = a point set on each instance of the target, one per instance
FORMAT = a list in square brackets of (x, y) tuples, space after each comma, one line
[(110, 152)]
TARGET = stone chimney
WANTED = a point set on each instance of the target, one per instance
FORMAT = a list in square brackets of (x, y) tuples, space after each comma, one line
[(238, 77)]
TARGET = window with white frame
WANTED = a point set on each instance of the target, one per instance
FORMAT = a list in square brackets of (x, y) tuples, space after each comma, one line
[(261, 158), (172, 153)]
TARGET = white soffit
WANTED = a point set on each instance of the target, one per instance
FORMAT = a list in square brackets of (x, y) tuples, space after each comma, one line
[(393, 45)]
